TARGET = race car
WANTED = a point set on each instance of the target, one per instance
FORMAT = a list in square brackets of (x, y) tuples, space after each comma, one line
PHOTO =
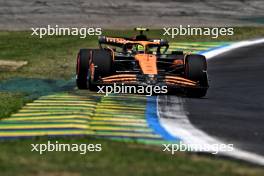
[(141, 61)]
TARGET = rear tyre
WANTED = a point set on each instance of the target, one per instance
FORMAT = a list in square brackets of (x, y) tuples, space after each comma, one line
[(82, 69), (196, 70), (103, 63)]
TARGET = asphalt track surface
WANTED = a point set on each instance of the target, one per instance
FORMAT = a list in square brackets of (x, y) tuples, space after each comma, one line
[(233, 109), (24, 14)]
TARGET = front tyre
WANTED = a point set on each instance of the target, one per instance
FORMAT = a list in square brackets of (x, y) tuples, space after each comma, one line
[(196, 70)]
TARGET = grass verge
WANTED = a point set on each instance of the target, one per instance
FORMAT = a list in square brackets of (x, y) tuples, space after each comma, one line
[(10, 103), (116, 158)]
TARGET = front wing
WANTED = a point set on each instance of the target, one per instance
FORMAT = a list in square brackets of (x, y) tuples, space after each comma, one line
[(173, 83)]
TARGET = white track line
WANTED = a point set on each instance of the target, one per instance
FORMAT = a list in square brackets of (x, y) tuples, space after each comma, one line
[(177, 123), (233, 46)]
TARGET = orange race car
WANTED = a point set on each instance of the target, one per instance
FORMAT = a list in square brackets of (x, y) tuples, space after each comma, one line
[(141, 61)]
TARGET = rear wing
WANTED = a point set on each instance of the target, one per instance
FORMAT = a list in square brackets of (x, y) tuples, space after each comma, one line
[(120, 42), (112, 41)]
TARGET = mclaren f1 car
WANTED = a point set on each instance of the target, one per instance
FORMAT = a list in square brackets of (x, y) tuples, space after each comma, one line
[(141, 61)]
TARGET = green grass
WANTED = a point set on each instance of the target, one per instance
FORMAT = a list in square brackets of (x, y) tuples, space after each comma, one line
[(51, 57), (116, 158), (10, 103), (54, 58)]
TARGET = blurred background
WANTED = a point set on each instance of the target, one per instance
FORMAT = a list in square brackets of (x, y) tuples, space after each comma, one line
[(23, 14)]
